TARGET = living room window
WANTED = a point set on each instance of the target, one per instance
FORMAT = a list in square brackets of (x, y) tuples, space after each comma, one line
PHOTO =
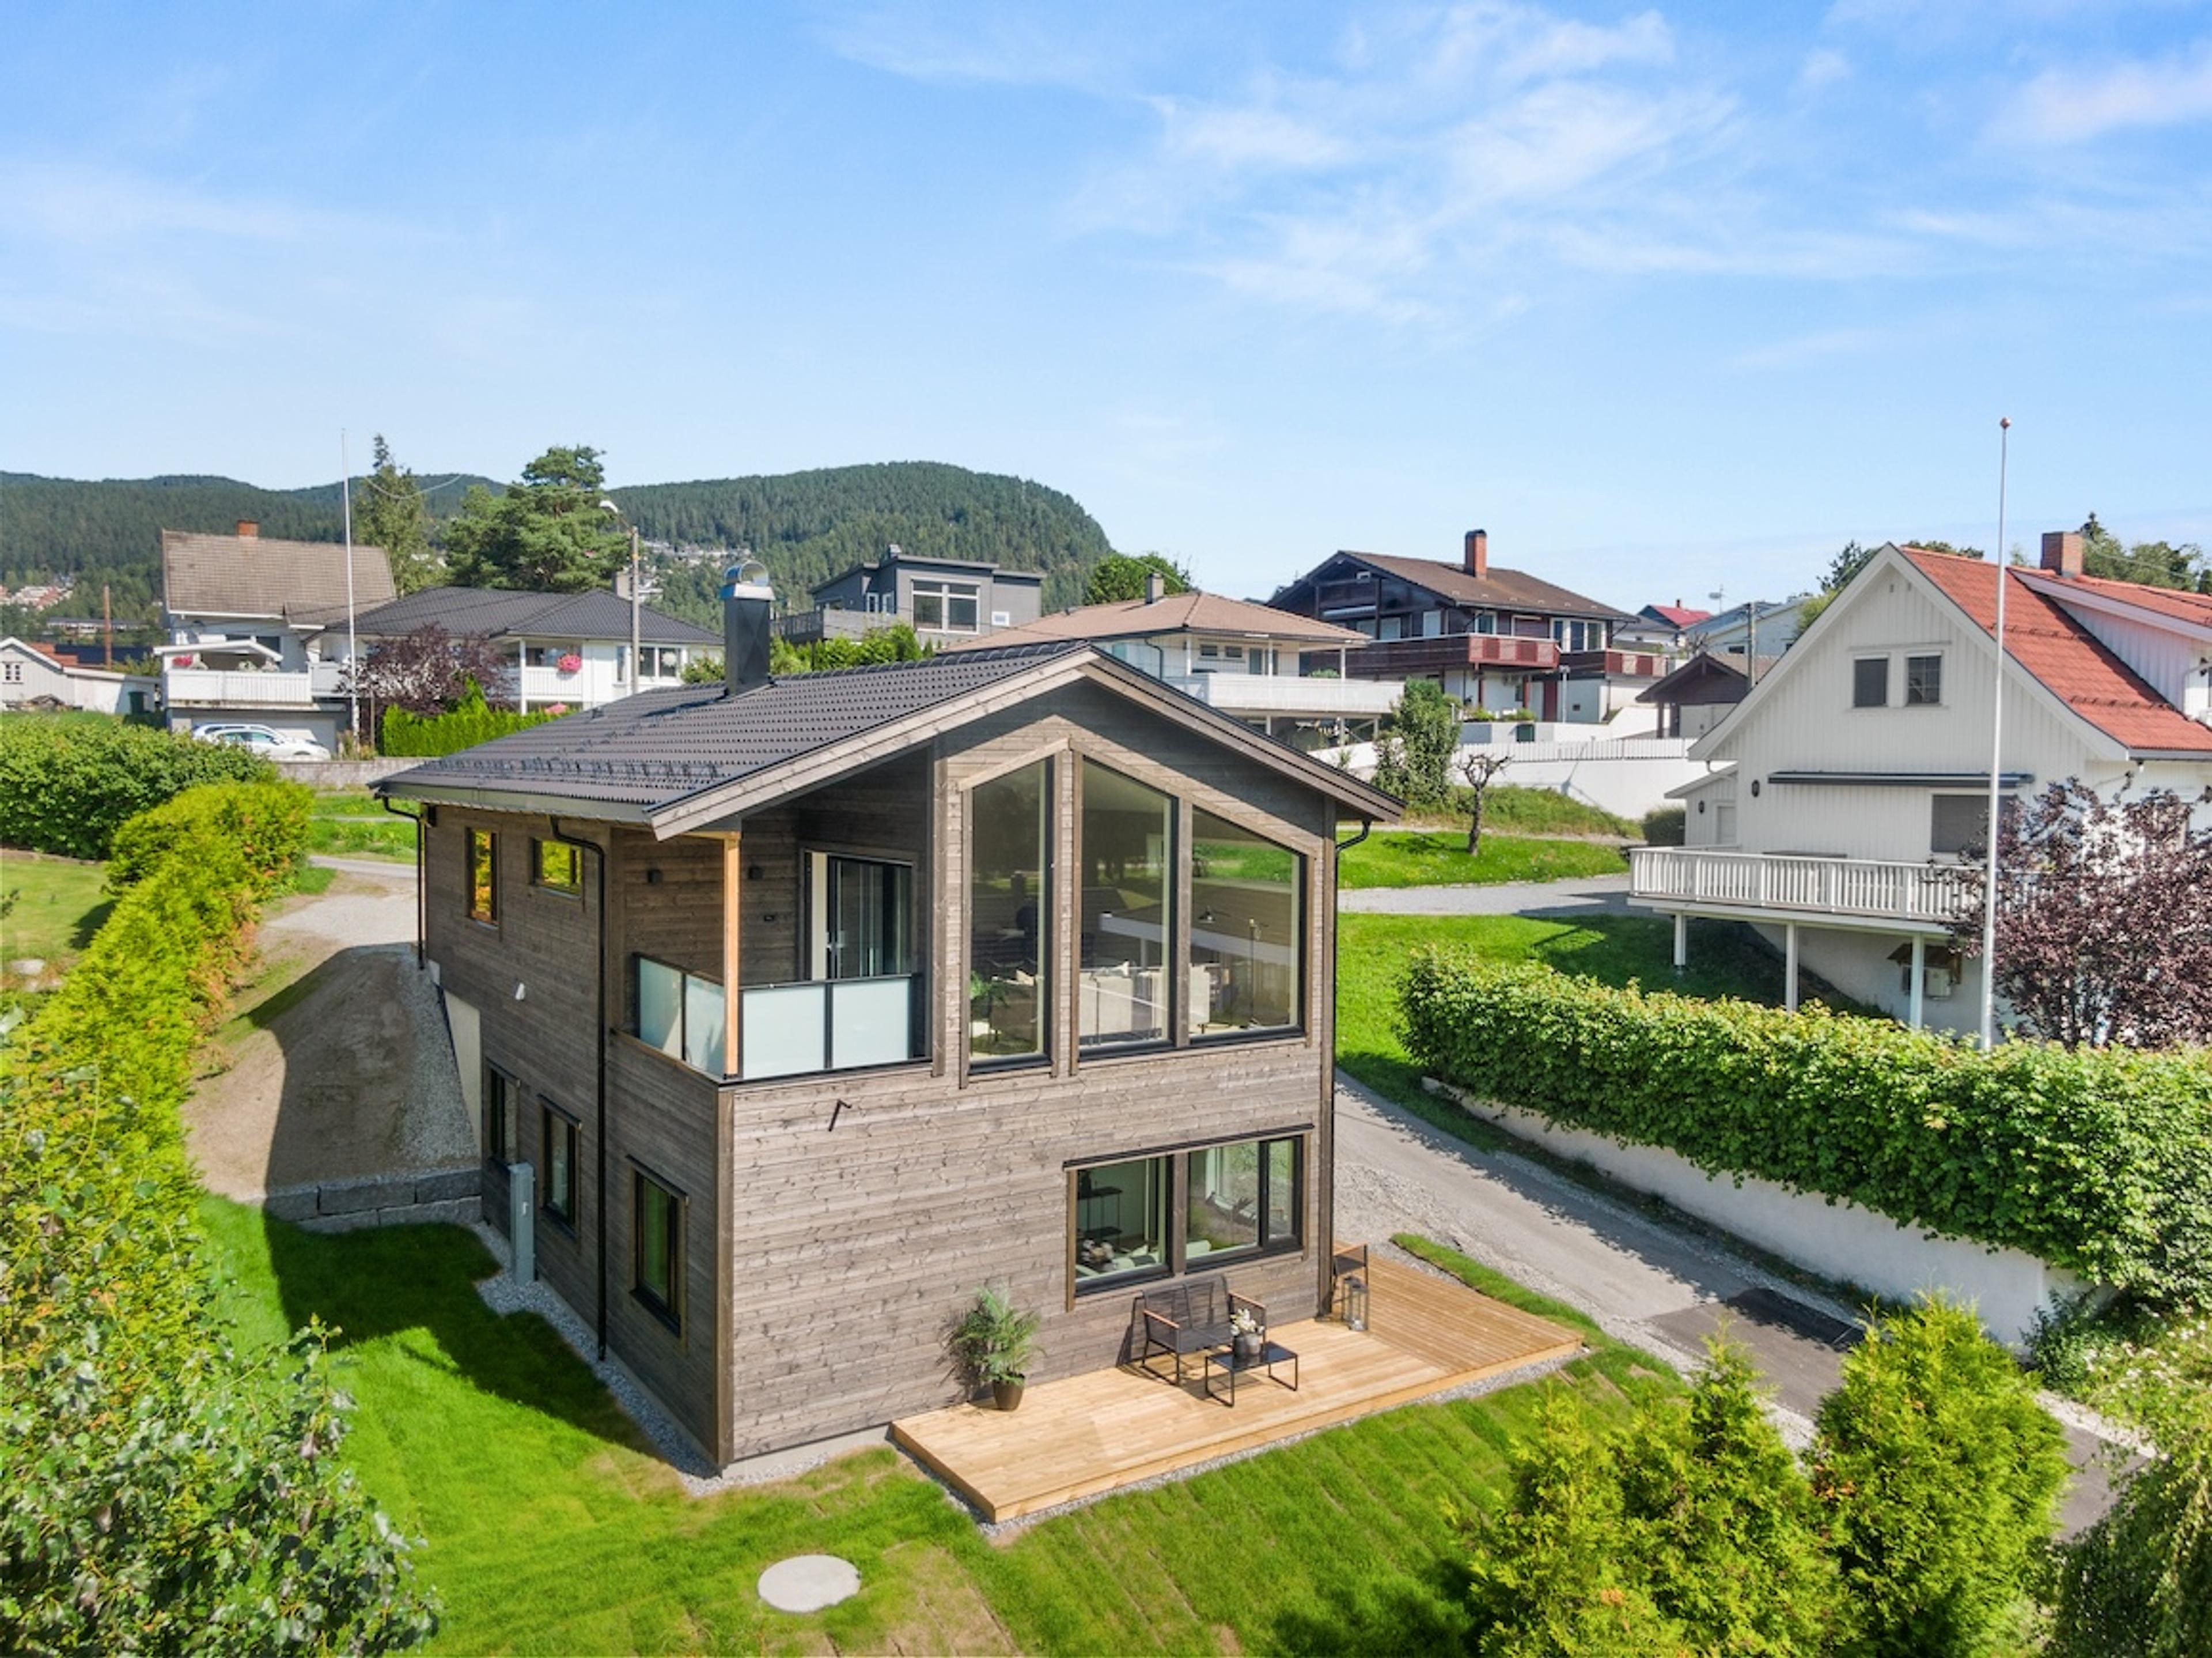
[(1870, 682), (483, 876), (556, 866), (949, 607), (562, 1138), (1246, 960), (1127, 884), (682, 1014), (1120, 1221), (1009, 931), (657, 1249), (1923, 682), (1240, 1199)]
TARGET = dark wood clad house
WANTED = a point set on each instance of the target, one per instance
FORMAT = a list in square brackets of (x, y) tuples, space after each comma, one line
[(812, 1005)]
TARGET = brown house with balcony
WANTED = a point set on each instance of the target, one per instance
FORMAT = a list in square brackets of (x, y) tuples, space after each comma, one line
[(1496, 638), (796, 1009)]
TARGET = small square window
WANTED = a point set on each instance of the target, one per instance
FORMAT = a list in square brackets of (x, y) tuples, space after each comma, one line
[(557, 867), (484, 875), (563, 1140), (1923, 682), (1870, 682), (657, 1251)]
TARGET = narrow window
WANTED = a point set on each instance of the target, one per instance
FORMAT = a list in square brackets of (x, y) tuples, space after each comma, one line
[(1240, 1199), (1923, 682), (1870, 682), (1128, 890), (499, 1103), (1245, 960), (1121, 1222), (561, 1137), (557, 867), (657, 1248), (1009, 930), (484, 875)]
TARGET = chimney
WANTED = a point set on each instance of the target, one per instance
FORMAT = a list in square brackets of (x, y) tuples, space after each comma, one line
[(248, 529), (746, 597), (1156, 587), (2062, 552), (1478, 553)]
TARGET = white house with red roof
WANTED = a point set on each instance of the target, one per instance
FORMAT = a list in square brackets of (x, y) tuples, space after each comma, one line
[(1857, 769)]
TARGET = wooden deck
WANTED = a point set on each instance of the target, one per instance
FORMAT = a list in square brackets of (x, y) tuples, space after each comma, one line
[(1093, 1434)]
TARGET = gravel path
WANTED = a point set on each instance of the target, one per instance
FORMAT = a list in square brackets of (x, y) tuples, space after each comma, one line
[(1585, 896)]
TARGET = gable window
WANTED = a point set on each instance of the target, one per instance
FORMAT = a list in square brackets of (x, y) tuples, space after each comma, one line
[(1240, 1199), (657, 1249), (499, 1105), (947, 607), (556, 866), (15, 673), (563, 1140), (1008, 913), (1127, 884), (484, 875), (1246, 962), (1120, 1221), (1870, 682), (1923, 682), (682, 1014)]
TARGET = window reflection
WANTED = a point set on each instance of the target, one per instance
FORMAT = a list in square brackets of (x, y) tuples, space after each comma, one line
[(1007, 924), (1127, 831), (1244, 960)]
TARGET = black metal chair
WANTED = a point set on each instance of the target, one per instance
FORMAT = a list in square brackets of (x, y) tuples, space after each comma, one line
[(1188, 1319)]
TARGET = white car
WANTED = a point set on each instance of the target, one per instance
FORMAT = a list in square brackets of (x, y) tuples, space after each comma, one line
[(274, 745)]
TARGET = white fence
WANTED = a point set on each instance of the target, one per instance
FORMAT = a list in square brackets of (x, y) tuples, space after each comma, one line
[(1834, 886)]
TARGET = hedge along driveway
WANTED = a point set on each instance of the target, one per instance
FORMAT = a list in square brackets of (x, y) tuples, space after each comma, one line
[(2097, 1161)]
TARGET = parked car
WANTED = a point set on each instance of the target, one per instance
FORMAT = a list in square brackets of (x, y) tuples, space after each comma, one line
[(275, 744)]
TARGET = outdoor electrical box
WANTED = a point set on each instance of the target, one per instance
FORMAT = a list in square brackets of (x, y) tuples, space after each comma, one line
[(521, 1215)]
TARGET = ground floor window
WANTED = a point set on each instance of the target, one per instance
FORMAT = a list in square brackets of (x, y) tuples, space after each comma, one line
[(658, 1248), (1121, 1220), (561, 1154), (1243, 1198), (499, 1105)]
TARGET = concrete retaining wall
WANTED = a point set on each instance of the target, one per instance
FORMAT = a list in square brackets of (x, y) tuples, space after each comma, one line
[(342, 774), (1838, 1240), (408, 1199)]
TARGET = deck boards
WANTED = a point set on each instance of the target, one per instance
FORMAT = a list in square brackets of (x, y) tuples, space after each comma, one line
[(1096, 1433)]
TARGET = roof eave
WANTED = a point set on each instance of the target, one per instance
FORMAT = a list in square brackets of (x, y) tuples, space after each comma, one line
[(410, 786)]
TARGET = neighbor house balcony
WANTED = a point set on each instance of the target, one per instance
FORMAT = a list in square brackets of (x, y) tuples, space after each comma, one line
[(238, 688), (1250, 696), (1759, 886), (1415, 658)]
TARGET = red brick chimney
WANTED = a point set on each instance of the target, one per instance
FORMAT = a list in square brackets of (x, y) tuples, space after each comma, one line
[(2062, 552), (1478, 553), (248, 529)]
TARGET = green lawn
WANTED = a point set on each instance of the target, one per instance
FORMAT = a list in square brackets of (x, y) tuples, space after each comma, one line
[(348, 822), (50, 908), (1520, 811), (550, 1529), (1436, 858)]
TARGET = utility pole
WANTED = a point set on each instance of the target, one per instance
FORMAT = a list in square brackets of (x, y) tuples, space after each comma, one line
[(1996, 763), (108, 624), (636, 602), (353, 642)]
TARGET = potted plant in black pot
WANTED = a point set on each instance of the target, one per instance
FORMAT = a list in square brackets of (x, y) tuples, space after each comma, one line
[(993, 1343)]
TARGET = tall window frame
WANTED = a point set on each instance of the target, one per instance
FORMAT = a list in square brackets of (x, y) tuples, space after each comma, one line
[(1013, 986), (502, 1099), (560, 1145), (1245, 940), (1127, 847), (657, 1217), (480, 869)]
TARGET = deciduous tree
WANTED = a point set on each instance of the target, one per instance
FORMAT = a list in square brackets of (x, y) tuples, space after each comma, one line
[(1480, 768), (1413, 752), (1122, 576), (426, 672), (547, 534)]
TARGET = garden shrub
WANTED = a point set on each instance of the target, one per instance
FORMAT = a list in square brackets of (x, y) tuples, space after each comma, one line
[(427, 736), (67, 785), (2100, 1161), (1666, 826), (2138, 1583), (160, 1490), (1940, 1475)]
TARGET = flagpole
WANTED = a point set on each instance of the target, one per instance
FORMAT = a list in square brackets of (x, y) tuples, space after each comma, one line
[(353, 644), (1997, 764)]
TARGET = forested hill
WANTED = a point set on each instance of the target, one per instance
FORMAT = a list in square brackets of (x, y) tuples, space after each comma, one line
[(808, 527)]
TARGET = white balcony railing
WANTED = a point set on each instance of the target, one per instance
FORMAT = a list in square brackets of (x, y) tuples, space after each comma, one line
[(1292, 693), (237, 688), (1831, 886)]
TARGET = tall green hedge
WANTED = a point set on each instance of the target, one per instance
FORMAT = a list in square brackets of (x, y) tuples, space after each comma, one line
[(2096, 1160), (160, 1490), (68, 783), (417, 735)]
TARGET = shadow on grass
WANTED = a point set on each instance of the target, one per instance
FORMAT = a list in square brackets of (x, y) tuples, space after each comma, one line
[(89, 923), (1426, 1614)]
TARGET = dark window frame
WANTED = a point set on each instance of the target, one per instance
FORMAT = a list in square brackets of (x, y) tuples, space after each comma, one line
[(1301, 899), (668, 1308), (489, 915), (1177, 1263), (1921, 689), (573, 888), (1046, 902), (502, 1095), (1267, 1245), (1860, 686), (556, 1126), (1093, 1048)]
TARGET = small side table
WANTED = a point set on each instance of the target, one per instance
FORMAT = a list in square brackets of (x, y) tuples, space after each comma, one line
[(1226, 1361)]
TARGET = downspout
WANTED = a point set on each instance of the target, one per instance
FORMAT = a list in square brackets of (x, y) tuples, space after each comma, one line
[(421, 915), (599, 1133), (1336, 870)]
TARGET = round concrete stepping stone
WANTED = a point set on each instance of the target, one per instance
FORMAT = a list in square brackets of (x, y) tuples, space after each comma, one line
[(808, 1583)]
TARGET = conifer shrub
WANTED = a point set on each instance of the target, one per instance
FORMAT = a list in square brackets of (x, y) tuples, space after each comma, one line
[(426, 737)]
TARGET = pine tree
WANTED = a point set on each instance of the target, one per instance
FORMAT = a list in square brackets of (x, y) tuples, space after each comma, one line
[(389, 511), (546, 534)]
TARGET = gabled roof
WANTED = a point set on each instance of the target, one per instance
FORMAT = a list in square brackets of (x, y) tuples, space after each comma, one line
[(301, 582), (1704, 671), (498, 613), (1498, 589), (2194, 608), (1190, 613), (2064, 656), (680, 759), (1675, 616)]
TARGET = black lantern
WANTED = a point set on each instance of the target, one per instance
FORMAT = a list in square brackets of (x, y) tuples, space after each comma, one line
[(1351, 1294)]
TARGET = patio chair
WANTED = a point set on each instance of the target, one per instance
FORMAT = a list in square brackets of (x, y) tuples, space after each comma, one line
[(1188, 1319)]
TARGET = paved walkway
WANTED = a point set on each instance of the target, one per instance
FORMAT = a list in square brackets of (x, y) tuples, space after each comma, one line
[(1591, 895), (1661, 1288)]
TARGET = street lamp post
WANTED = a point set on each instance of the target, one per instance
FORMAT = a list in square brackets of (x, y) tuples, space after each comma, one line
[(636, 595)]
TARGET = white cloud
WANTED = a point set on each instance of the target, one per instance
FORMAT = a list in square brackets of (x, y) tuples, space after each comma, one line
[(1823, 68), (2063, 106)]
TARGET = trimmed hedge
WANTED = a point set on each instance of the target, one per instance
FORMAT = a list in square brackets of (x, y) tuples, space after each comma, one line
[(2096, 1160), (425, 737), (67, 785), (159, 1490)]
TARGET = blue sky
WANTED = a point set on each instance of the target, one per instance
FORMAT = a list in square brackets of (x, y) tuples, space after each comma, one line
[(1664, 298)]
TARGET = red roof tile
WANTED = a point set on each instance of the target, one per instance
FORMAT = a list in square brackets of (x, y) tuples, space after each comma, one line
[(1680, 615), (2167, 601), (2068, 660)]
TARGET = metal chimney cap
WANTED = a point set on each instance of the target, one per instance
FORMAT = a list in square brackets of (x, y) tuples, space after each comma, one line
[(747, 579)]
